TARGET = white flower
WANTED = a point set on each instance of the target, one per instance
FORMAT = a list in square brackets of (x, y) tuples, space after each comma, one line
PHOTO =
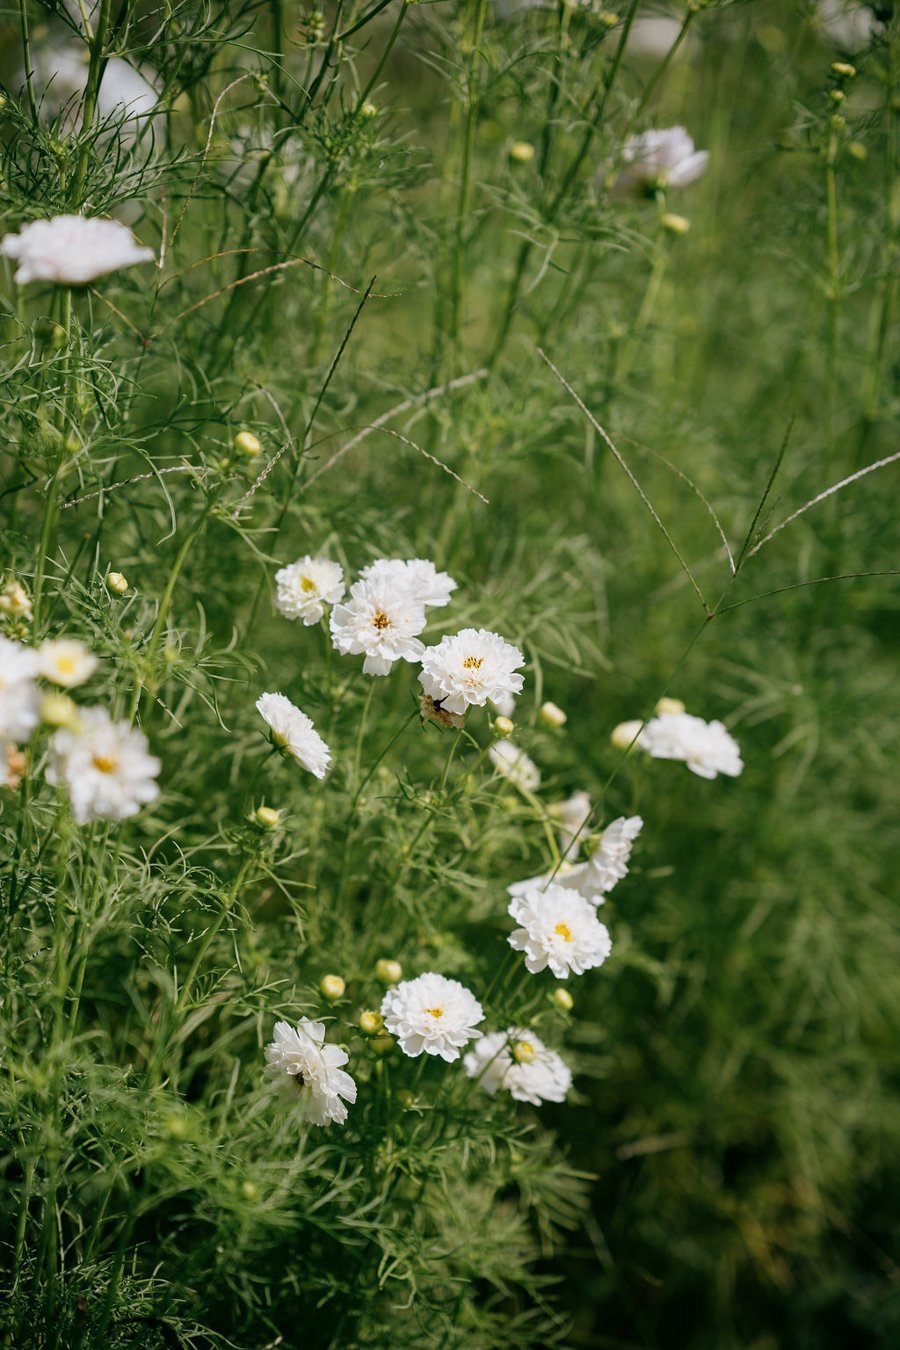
[(105, 767), (515, 765), (418, 578), (433, 1014), (504, 703), (518, 1061), (305, 587), (470, 667), (72, 250), (609, 861), (706, 747), (15, 600), (65, 661), (572, 818), (301, 1053), (660, 159), (293, 732), (125, 97), (19, 699), (560, 930), (380, 621)]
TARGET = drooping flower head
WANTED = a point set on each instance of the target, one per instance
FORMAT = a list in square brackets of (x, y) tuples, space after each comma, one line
[(304, 588), (104, 766), (417, 577), (515, 765), (519, 1062), (294, 733), (19, 699), (380, 621), (560, 929), (72, 250), (66, 662), (470, 667), (706, 747), (608, 863), (432, 1014), (313, 1068), (660, 159)]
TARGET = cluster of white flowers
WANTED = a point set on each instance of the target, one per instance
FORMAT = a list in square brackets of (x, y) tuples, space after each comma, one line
[(293, 733), (72, 250), (519, 1062), (314, 1070)]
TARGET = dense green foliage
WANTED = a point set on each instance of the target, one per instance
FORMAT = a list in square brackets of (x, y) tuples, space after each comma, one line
[(353, 207)]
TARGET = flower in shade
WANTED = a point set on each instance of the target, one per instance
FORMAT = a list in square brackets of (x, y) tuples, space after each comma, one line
[(105, 767), (66, 662), (304, 588), (608, 862), (294, 733), (560, 929), (515, 765), (381, 622), (518, 1061), (72, 250), (705, 747), (433, 1014), (418, 578), (470, 667), (571, 817), (661, 158), (301, 1055), (19, 699)]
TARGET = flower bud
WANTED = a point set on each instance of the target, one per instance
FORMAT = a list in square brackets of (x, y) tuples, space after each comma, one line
[(116, 582), (675, 224), (504, 726), (58, 710), (405, 1098), (370, 1023), (267, 817), (857, 150), (670, 707), (837, 95), (522, 152), (523, 1052), (388, 971), (249, 1190), (608, 18), (247, 444), (843, 70), (553, 716), (625, 732), (332, 986), (562, 1000), (368, 109)]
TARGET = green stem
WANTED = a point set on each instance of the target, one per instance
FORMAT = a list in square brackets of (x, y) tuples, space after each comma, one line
[(162, 614), (91, 90), (462, 206)]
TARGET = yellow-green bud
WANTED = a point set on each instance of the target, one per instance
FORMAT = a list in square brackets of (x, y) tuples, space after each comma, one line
[(553, 716), (623, 735), (837, 95), (675, 224), (607, 18), (563, 1000), (522, 152), (247, 444), (332, 986), (388, 971), (523, 1052), (369, 109), (857, 150), (249, 1190), (370, 1022), (58, 710), (382, 1045), (267, 817), (670, 707), (504, 726), (405, 1098), (843, 70), (116, 582)]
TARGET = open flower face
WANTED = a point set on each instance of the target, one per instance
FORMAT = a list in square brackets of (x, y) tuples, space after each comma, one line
[(520, 1063), (705, 747), (469, 668), (659, 159), (560, 929), (299, 1056), (380, 621), (105, 767), (432, 1014), (417, 577), (66, 662), (304, 588)]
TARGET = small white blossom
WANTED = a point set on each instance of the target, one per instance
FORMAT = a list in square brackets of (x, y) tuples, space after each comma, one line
[(293, 732), (304, 588), (301, 1054), (381, 622), (515, 765), (706, 747), (470, 667), (571, 817), (518, 1061), (560, 929), (19, 698), (105, 767), (15, 601), (72, 250), (660, 159), (416, 577), (433, 1014), (608, 863), (65, 661)]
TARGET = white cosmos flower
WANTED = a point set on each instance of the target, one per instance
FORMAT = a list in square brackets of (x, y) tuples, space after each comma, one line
[(571, 817), (293, 732), (304, 588), (72, 250), (608, 863), (433, 1014), (515, 765), (505, 704), (470, 667), (105, 767), (519, 1061), (65, 661), (301, 1054), (706, 747), (381, 622), (15, 601), (570, 876), (560, 929), (19, 699), (660, 159), (416, 577)]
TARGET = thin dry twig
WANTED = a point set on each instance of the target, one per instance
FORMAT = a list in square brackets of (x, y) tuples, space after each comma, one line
[(829, 492), (388, 431), (126, 482), (800, 585), (679, 473)]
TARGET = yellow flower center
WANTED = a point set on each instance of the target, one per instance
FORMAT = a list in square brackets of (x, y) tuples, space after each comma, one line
[(65, 664), (473, 663), (307, 584), (380, 620), (564, 931), (435, 1012), (105, 763)]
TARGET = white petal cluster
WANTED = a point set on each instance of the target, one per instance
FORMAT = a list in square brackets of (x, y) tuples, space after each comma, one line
[(19, 697), (504, 704), (660, 159), (66, 662), (560, 929), (705, 747), (519, 1062), (72, 250), (381, 622), (16, 602), (293, 732), (300, 1053), (105, 767), (515, 765), (470, 667), (417, 578), (304, 588), (432, 1014), (608, 863)]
